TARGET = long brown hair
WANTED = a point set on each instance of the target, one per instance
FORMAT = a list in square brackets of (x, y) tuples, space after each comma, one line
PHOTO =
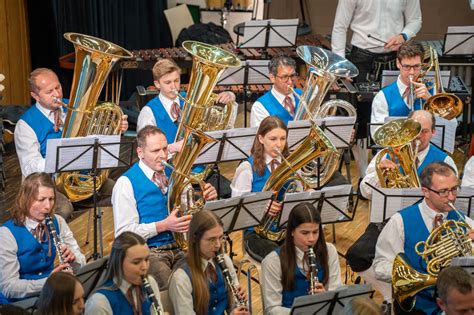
[(304, 212), (201, 222), (28, 194), (258, 151), (57, 295)]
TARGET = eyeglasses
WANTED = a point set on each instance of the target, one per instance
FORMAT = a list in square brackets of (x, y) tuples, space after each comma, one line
[(414, 67), (445, 192), (287, 76)]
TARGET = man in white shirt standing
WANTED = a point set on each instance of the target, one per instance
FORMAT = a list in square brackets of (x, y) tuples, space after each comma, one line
[(389, 24), (414, 224), (42, 121), (140, 204), (279, 101)]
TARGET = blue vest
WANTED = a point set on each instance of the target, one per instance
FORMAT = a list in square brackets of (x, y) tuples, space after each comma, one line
[(301, 284), (274, 108), (418, 232), (152, 205), (434, 155), (163, 120), (32, 255), (218, 292), (42, 127), (118, 302), (395, 102)]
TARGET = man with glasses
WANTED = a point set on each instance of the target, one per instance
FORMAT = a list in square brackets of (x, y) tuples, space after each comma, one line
[(440, 187), (279, 101), (395, 99)]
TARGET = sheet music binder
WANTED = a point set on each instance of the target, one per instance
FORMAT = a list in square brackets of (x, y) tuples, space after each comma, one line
[(269, 33)]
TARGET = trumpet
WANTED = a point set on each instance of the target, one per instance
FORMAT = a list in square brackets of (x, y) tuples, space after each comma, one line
[(56, 240), (157, 310), (313, 269), (230, 282), (411, 95)]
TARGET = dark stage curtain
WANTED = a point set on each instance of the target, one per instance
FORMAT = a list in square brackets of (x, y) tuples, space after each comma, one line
[(132, 24)]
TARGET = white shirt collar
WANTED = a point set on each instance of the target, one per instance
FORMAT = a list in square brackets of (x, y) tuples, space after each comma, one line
[(269, 159), (146, 169), (280, 97), (205, 262), (430, 213), (422, 154), (30, 224)]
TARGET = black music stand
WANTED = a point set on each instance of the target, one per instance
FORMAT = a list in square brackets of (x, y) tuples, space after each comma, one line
[(330, 302), (92, 274), (93, 154), (250, 73), (467, 263), (271, 33), (459, 41)]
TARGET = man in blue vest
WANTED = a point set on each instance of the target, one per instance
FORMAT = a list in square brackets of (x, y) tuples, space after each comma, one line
[(279, 101), (42, 121), (140, 204), (455, 287), (394, 99), (164, 110), (413, 224)]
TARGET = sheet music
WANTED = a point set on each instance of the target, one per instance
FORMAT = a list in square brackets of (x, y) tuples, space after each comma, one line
[(254, 34), (258, 72), (68, 154), (410, 196), (453, 39), (233, 76), (339, 130), (329, 213), (390, 76), (283, 33)]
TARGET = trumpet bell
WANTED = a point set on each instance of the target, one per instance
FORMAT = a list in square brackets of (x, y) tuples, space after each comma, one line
[(446, 105)]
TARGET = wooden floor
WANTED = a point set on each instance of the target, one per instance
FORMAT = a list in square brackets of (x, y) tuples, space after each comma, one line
[(82, 227)]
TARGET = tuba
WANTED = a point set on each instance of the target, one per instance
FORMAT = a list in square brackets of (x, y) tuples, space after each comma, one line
[(324, 68), (445, 105), (396, 137), (95, 59), (315, 145), (199, 115), (447, 241)]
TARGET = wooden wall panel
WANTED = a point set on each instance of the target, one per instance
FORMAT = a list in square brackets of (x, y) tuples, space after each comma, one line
[(14, 51)]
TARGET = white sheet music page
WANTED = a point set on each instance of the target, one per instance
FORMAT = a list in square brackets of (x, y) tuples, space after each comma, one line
[(464, 198), (254, 34), (283, 33), (455, 36), (258, 72), (340, 129), (445, 129), (297, 131), (396, 200)]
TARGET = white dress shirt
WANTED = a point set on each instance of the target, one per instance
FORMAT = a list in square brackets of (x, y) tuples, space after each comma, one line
[(259, 113), (10, 283), (146, 116), (380, 18), (181, 290), (372, 178), (27, 145), (272, 288), (98, 304), (391, 240), (468, 177), (242, 181)]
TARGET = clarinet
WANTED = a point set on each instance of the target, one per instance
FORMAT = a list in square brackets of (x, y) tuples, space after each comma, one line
[(313, 269), (56, 240), (151, 295), (228, 279)]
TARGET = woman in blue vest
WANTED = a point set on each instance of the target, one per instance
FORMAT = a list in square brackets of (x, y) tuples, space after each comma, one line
[(27, 253), (304, 230), (198, 285), (123, 291), (252, 174), (62, 294)]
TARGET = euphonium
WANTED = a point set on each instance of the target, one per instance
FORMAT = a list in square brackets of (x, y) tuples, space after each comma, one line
[(313, 269), (396, 137), (315, 145), (446, 105), (56, 240), (155, 305), (229, 281), (95, 59), (324, 67), (447, 241)]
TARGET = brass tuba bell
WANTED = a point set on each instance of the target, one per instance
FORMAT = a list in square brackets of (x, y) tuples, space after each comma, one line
[(95, 59)]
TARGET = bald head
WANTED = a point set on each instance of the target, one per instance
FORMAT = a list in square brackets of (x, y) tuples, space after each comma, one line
[(427, 122), (423, 116)]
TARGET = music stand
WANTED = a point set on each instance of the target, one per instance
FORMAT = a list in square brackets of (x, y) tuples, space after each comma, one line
[(271, 33), (92, 274), (93, 154), (458, 40), (388, 201), (330, 302), (251, 72), (467, 263)]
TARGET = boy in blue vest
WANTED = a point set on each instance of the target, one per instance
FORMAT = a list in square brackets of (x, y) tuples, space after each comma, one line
[(413, 224), (393, 100), (42, 121), (164, 111), (140, 204), (279, 101)]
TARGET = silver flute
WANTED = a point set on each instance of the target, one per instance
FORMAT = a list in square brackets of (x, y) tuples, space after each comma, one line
[(313, 269), (228, 279), (56, 240), (157, 310)]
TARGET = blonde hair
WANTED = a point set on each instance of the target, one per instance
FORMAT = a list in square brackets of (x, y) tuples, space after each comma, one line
[(163, 67)]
